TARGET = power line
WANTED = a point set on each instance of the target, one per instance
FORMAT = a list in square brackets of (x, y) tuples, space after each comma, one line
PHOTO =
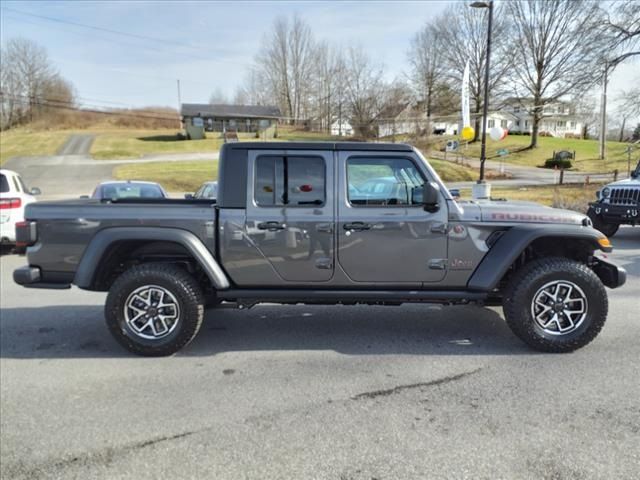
[(114, 32)]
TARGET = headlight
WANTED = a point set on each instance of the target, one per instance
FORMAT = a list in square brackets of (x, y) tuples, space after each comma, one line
[(606, 191)]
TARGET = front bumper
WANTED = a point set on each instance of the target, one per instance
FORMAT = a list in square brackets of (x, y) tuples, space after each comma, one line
[(30, 277), (616, 213), (609, 273)]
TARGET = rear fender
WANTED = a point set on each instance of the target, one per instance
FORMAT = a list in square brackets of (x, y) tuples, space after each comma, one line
[(94, 253)]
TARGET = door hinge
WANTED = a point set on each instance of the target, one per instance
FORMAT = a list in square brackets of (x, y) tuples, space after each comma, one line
[(438, 264)]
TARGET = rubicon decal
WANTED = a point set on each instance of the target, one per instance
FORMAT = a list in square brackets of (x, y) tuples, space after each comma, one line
[(531, 217)]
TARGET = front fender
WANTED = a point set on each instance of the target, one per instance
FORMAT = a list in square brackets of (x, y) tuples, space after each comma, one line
[(99, 244), (514, 241)]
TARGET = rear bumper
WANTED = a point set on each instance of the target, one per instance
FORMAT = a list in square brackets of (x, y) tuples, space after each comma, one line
[(616, 213), (8, 232), (30, 277), (609, 273)]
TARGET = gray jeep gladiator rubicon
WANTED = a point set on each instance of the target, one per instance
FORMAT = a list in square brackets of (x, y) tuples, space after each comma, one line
[(321, 223), (618, 204)]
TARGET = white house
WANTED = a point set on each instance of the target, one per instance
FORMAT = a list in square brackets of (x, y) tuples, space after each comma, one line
[(558, 119), (341, 128)]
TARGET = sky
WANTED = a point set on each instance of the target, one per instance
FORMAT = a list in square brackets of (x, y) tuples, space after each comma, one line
[(206, 45)]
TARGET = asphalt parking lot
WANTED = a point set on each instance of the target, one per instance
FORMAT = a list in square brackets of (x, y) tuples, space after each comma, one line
[(317, 392)]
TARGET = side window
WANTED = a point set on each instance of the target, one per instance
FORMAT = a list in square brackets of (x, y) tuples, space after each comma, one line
[(15, 183), (4, 184), (383, 181), (289, 181)]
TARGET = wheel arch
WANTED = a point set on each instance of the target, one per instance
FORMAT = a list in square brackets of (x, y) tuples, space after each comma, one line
[(573, 242), (109, 245)]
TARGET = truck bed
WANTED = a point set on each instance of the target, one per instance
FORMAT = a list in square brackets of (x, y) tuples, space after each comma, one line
[(65, 228)]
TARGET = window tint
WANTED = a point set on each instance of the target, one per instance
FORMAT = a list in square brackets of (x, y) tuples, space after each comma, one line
[(292, 181), (383, 181), (4, 184)]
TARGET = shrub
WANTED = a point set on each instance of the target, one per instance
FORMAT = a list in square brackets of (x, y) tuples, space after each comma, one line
[(557, 162)]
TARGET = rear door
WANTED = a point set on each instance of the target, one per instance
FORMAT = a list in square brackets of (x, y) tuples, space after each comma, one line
[(384, 234), (290, 212)]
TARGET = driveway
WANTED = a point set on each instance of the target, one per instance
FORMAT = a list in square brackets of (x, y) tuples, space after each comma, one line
[(77, 145), (324, 392)]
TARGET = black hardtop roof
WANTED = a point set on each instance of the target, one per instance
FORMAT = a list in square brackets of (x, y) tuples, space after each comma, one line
[(388, 147)]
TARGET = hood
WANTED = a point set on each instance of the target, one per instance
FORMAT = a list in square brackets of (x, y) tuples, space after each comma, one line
[(526, 212), (627, 182)]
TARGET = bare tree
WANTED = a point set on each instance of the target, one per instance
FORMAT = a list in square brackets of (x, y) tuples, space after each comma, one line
[(558, 46), (462, 32), (628, 108), (622, 26), (328, 85), (364, 91), (218, 97), (427, 67), (255, 90), (287, 62)]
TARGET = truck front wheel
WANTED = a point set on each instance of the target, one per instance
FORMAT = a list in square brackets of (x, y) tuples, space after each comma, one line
[(154, 309), (555, 305)]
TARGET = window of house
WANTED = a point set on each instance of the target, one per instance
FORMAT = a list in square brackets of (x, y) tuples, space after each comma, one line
[(561, 109), (503, 123), (491, 123), (573, 124), (561, 123), (516, 110), (292, 181), (383, 181), (517, 123), (197, 122), (526, 123)]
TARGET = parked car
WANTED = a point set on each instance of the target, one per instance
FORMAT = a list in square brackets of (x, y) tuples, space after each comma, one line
[(208, 190), (14, 197), (618, 204), (164, 261), (129, 189)]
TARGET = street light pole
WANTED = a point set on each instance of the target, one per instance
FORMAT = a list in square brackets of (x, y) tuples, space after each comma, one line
[(485, 190)]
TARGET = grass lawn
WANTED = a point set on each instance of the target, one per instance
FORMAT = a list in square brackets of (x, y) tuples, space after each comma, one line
[(126, 143), (173, 176), (572, 197), (188, 176), (586, 152), (24, 142)]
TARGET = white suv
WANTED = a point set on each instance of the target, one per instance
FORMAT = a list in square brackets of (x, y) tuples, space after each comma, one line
[(14, 196)]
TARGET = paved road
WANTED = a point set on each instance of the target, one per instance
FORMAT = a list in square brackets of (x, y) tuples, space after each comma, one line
[(77, 145), (407, 392)]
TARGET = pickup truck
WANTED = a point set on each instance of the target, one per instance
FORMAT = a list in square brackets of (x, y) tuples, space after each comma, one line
[(322, 223)]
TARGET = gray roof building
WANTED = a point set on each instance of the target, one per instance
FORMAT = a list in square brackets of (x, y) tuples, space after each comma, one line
[(229, 111)]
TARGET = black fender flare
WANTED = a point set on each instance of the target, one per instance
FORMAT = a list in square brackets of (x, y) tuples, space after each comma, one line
[(90, 261), (514, 241)]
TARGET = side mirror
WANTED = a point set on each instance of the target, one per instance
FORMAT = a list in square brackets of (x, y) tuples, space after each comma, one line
[(35, 191), (455, 193), (189, 196), (431, 197)]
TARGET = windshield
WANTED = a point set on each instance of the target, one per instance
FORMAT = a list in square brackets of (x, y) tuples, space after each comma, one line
[(130, 190)]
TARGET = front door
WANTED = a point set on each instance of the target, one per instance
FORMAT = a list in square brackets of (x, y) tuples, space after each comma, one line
[(384, 233), (290, 212)]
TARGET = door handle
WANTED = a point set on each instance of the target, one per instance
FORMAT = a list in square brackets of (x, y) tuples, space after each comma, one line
[(271, 226), (357, 226)]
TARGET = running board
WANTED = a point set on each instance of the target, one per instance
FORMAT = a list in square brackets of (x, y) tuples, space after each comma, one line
[(350, 296)]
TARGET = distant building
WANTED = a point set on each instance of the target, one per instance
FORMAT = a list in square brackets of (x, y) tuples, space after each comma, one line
[(199, 118), (559, 119), (341, 129)]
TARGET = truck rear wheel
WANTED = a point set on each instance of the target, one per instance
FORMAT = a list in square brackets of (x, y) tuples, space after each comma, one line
[(154, 309), (555, 305)]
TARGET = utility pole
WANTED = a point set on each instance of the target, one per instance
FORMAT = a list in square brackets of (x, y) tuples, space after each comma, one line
[(603, 112), (179, 102)]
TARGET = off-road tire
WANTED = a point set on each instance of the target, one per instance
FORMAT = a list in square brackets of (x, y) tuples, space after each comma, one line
[(180, 284), (609, 229), (520, 293)]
